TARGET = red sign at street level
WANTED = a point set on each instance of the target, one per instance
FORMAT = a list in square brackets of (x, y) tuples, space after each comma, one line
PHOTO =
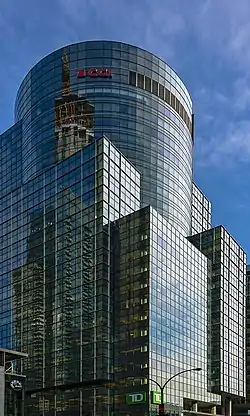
[(94, 73)]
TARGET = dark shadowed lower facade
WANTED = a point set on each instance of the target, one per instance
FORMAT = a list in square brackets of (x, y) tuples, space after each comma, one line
[(248, 336), (105, 282)]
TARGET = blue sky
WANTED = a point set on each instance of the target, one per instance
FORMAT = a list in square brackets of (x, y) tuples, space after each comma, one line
[(205, 41)]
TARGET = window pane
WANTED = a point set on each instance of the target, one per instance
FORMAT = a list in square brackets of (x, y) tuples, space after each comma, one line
[(132, 78)]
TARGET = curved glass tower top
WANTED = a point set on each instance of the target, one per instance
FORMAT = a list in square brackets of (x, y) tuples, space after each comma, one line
[(89, 89)]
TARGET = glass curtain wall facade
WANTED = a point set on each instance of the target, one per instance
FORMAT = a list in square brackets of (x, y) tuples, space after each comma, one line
[(228, 310), (201, 211), (142, 106), (160, 326), (57, 278), (11, 160), (98, 281)]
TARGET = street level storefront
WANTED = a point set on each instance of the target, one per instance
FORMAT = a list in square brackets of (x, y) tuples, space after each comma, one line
[(12, 383), (137, 398)]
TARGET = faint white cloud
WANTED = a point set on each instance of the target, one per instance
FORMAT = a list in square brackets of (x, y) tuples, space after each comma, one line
[(224, 25), (171, 25), (209, 103), (220, 27), (151, 25), (225, 149), (241, 93), (172, 29), (224, 129), (241, 205), (221, 98), (210, 96)]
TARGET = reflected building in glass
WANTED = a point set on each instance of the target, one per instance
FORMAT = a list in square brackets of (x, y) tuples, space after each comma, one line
[(74, 118), (61, 306), (108, 274), (142, 106)]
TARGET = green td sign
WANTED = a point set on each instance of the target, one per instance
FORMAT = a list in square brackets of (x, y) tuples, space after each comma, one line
[(136, 398), (155, 397)]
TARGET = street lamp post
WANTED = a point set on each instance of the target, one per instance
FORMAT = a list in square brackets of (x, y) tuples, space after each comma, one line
[(161, 405)]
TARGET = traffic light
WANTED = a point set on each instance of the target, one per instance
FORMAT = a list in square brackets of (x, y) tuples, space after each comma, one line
[(161, 410)]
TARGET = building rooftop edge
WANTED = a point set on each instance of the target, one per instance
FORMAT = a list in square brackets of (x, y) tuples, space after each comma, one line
[(224, 228), (12, 355), (100, 40)]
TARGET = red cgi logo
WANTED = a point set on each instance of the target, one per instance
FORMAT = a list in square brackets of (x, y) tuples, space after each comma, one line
[(94, 73)]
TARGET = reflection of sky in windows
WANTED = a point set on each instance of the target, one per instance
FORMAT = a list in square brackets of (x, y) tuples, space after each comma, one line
[(164, 110), (178, 296)]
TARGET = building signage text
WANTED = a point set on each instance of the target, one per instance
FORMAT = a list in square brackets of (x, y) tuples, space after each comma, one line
[(155, 397), (16, 385), (136, 398), (94, 73)]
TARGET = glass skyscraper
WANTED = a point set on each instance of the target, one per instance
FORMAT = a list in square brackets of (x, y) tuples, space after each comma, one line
[(137, 100), (107, 274), (228, 309), (161, 327)]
